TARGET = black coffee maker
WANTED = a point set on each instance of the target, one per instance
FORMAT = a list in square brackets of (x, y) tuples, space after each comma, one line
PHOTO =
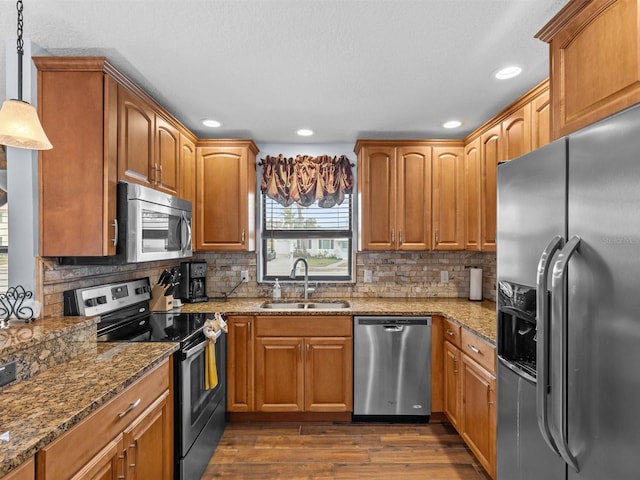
[(193, 282)]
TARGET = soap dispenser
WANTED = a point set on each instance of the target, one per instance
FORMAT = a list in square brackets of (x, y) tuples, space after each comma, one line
[(277, 291)]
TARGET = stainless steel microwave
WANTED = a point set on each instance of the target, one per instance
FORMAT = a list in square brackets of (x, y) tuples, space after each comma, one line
[(150, 226), (153, 225)]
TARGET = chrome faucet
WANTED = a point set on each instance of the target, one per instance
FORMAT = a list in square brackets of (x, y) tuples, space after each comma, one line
[(306, 275)]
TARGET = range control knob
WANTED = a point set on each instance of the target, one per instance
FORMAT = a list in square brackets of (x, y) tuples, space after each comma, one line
[(102, 300), (91, 302)]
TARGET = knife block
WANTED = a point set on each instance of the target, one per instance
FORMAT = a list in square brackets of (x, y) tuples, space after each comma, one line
[(159, 302)]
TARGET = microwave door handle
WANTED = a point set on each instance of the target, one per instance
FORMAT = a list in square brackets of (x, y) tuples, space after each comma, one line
[(542, 347), (559, 311), (185, 233)]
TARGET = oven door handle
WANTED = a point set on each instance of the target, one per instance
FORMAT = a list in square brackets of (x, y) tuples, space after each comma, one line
[(198, 347)]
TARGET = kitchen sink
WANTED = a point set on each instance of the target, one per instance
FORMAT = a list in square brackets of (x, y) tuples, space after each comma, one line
[(305, 305)]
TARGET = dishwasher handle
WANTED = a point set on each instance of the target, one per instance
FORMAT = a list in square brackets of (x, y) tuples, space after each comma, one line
[(393, 328), (391, 321)]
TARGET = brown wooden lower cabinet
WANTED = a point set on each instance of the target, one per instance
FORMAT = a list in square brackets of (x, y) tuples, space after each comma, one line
[(129, 437), (470, 394), (26, 471), (290, 364)]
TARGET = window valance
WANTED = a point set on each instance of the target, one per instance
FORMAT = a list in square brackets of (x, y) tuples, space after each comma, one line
[(305, 180)]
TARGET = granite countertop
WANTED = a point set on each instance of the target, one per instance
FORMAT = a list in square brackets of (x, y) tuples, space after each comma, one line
[(38, 410), (21, 335), (480, 317)]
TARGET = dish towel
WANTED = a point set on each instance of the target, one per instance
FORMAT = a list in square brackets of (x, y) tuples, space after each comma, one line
[(210, 327)]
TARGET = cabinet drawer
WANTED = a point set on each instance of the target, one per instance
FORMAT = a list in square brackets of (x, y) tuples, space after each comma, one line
[(304, 326), (480, 350), (66, 455), (452, 332)]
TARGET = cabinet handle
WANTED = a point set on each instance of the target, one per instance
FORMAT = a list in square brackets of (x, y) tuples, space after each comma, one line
[(393, 236), (299, 349), (160, 174), (249, 330), (449, 332), (123, 464), (133, 445), (131, 407), (115, 232), (155, 173), (437, 237), (474, 349), (307, 348), (455, 365), (400, 236), (242, 237)]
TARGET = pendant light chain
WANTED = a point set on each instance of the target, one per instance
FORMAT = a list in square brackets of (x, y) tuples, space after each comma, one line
[(20, 43), (20, 26)]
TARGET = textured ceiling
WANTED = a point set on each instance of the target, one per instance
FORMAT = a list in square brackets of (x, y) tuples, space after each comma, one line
[(346, 69)]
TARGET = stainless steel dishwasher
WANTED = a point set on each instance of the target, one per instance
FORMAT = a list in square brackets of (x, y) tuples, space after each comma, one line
[(392, 367)]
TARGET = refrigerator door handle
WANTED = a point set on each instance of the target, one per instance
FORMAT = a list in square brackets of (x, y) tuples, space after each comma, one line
[(558, 293), (542, 348)]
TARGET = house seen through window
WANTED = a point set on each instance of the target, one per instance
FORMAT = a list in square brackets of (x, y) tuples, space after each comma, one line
[(323, 236)]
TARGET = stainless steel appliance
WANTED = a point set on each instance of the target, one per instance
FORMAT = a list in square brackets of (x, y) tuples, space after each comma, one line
[(193, 282), (569, 228), (199, 413), (151, 225), (392, 368)]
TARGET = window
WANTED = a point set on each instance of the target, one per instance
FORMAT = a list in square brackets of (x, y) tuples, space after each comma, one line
[(323, 236)]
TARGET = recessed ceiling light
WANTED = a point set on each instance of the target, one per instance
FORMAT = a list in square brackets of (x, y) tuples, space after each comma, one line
[(452, 124), (508, 72), (211, 123), (305, 132)]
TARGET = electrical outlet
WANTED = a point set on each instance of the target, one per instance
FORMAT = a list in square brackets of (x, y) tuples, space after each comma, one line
[(444, 276), (368, 276), (7, 373), (244, 275)]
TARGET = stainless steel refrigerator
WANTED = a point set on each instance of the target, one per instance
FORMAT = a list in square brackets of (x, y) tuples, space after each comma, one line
[(568, 266)]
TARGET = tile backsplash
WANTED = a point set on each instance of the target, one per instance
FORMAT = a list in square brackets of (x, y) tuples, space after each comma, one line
[(394, 274)]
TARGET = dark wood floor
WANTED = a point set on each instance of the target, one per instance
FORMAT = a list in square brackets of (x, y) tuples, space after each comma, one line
[(343, 451)]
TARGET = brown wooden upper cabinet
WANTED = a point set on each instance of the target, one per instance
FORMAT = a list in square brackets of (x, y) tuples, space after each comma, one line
[(226, 195), (490, 155), (473, 195), (448, 197), (149, 144), (105, 129), (395, 195), (595, 66), (77, 103), (187, 173), (516, 133)]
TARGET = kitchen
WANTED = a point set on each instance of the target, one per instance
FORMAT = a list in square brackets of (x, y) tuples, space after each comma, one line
[(396, 274)]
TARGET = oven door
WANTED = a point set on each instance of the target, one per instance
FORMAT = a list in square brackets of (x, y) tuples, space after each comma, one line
[(196, 404)]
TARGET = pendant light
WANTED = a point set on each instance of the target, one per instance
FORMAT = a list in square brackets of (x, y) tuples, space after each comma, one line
[(19, 123)]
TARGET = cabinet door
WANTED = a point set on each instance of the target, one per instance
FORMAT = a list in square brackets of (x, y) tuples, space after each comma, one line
[(516, 133), (108, 464), (478, 412), (167, 152), (78, 110), (377, 184), (490, 154), (540, 120), (187, 170), (452, 384), (223, 188), (328, 374), (279, 374), (448, 198), (413, 198), (26, 471), (473, 195), (149, 442), (240, 364), (135, 139)]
